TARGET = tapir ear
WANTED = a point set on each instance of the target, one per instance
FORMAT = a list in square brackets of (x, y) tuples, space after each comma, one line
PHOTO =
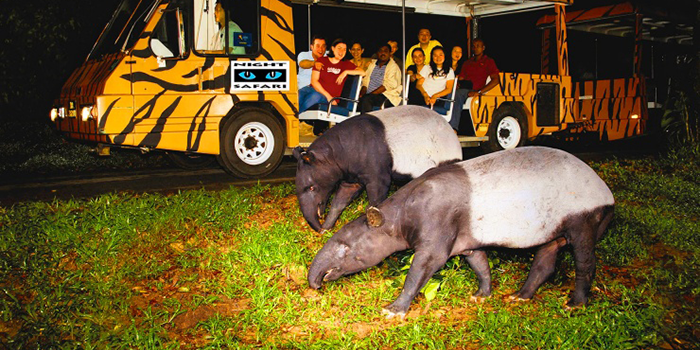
[(308, 157), (375, 218), (300, 154), (297, 152)]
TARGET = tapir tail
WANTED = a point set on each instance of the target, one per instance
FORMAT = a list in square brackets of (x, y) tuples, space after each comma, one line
[(607, 214)]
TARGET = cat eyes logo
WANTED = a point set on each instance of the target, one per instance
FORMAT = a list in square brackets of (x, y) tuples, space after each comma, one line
[(260, 76)]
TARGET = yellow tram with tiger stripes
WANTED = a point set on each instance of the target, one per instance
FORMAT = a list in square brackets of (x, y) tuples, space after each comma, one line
[(218, 77), (181, 81)]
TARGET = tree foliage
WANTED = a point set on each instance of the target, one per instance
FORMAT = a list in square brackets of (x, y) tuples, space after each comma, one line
[(43, 42)]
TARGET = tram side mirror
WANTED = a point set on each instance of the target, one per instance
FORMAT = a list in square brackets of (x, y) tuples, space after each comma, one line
[(168, 38)]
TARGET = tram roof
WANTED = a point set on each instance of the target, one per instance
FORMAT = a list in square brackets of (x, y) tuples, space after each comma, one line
[(457, 8), (661, 24)]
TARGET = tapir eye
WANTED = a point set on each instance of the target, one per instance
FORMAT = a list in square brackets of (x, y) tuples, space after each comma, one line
[(311, 188)]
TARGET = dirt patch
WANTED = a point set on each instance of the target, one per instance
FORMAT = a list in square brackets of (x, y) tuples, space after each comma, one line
[(272, 211), (172, 300), (224, 307)]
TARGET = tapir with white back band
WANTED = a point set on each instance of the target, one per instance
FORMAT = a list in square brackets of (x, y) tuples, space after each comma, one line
[(522, 198), (368, 152)]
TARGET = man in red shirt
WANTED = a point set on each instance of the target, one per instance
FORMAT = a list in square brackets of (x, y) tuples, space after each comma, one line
[(472, 79)]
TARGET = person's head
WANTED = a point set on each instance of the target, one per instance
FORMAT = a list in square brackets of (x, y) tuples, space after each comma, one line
[(456, 54), (384, 53), (356, 50), (478, 47), (339, 48), (418, 56), (318, 46), (437, 55), (393, 45), (220, 13), (424, 36), (437, 60)]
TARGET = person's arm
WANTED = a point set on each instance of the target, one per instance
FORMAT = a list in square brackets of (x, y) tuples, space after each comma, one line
[(318, 87), (378, 91), (448, 90), (495, 81), (365, 82), (411, 75), (419, 85), (344, 74), (305, 60), (306, 64), (392, 79)]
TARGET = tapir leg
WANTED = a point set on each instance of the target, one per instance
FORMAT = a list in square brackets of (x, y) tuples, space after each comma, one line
[(480, 264), (425, 264), (345, 194), (542, 267), (584, 260), (583, 243), (378, 189)]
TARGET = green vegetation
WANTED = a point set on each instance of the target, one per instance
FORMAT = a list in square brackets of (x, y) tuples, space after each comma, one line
[(227, 269)]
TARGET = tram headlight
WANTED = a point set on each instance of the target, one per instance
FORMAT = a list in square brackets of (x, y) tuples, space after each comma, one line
[(86, 113), (54, 114)]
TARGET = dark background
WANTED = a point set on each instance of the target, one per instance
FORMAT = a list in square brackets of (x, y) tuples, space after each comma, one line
[(44, 41)]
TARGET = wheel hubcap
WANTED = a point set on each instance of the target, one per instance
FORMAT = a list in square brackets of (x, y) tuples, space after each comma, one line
[(254, 143), (508, 133)]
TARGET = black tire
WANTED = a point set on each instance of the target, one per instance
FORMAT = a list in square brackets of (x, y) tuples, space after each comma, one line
[(252, 143), (191, 161), (508, 130)]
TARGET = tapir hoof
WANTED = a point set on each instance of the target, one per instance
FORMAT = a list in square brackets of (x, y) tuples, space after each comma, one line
[(477, 299), (517, 297), (390, 314), (573, 304)]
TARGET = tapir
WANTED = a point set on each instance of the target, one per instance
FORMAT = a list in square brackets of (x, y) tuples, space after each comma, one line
[(522, 198), (368, 152)]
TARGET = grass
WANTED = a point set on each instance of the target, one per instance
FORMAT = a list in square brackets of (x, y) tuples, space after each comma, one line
[(227, 269)]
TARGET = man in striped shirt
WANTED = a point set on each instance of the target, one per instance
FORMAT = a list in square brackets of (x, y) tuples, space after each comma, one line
[(382, 82)]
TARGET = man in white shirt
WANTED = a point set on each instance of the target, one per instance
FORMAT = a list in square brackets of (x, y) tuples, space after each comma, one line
[(306, 62)]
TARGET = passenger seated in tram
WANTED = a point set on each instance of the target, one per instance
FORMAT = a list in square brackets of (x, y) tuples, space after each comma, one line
[(436, 79), (327, 79), (456, 59), (356, 50), (382, 83), (473, 79), (414, 95)]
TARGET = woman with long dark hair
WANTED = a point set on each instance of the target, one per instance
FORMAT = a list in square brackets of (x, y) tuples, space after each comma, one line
[(436, 79), (414, 95)]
